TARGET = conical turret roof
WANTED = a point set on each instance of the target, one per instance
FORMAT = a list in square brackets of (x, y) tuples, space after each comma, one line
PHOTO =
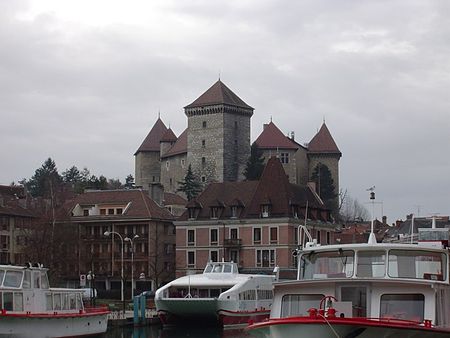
[(151, 142), (169, 136), (218, 93), (323, 142), (272, 138)]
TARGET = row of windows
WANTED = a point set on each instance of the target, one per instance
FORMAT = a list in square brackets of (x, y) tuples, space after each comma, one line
[(233, 234), (264, 257)]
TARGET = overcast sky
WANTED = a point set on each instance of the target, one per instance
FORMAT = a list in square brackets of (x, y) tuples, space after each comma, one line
[(83, 81)]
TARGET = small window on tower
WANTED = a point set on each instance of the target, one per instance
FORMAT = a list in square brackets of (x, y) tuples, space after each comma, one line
[(203, 143), (203, 161), (203, 179), (284, 158), (235, 124), (204, 124)]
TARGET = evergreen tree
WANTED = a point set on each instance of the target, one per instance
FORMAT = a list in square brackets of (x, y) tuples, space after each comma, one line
[(45, 180), (325, 185), (190, 185), (129, 182), (255, 164)]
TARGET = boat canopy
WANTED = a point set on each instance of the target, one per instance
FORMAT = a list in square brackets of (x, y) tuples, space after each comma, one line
[(221, 267)]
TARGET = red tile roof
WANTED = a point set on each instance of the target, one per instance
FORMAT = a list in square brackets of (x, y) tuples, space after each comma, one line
[(218, 93), (179, 147), (173, 199), (169, 136), (323, 142), (273, 188), (272, 138), (151, 142), (141, 205)]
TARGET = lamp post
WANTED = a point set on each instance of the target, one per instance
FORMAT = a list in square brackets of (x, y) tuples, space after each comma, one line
[(128, 239), (91, 277), (107, 233)]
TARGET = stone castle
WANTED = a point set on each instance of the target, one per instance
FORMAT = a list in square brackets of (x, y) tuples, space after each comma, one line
[(216, 143)]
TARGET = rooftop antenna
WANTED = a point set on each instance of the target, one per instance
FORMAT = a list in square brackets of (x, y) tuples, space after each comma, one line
[(159, 113), (412, 229), (372, 237), (219, 74)]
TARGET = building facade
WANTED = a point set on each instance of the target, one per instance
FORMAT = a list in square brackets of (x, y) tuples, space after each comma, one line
[(253, 223), (137, 225), (216, 144)]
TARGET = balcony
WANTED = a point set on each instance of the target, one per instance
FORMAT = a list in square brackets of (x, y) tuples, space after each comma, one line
[(233, 243)]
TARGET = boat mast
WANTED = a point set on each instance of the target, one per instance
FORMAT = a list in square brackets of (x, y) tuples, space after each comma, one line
[(372, 237)]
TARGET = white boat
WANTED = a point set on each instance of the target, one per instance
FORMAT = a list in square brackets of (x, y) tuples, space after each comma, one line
[(30, 308), (363, 290), (220, 296)]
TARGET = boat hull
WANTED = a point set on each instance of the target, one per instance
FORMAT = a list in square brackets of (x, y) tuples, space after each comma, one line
[(50, 325), (305, 327), (207, 311)]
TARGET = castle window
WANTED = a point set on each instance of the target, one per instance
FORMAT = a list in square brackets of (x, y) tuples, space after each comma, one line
[(273, 235), (183, 163), (265, 210), (203, 143), (204, 124), (214, 212), (191, 259), (191, 237), (235, 124), (256, 235), (170, 181), (203, 179), (214, 236), (284, 157), (167, 165)]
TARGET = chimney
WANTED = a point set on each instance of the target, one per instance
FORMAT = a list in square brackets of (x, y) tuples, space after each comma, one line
[(292, 136), (384, 219), (265, 126)]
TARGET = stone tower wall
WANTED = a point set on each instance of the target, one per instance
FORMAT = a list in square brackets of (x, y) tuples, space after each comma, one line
[(147, 168), (173, 170), (236, 145), (205, 141), (331, 161), (301, 160)]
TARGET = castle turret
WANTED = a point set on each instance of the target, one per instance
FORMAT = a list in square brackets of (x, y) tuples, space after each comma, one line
[(218, 135)]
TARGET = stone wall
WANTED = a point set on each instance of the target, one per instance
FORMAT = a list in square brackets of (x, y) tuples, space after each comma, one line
[(147, 168), (173, 170), (331, 161)]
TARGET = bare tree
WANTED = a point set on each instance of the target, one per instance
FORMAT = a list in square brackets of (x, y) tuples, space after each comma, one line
[(351, 210)]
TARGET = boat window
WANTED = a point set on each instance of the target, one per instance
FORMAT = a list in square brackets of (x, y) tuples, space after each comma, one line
[(27, 280), (2, 274), (417, 264), (57, 301), (8, 301), (208, 268), (227, 268), (296, 304), (48, 302), (79, 302), (13, 279), (37, 279), (403, 306), (213, 293), (65, 302), (217, 268), (18, 301), (72, 301), (371, 264), (44, 280), (1, 300), (328, 264)]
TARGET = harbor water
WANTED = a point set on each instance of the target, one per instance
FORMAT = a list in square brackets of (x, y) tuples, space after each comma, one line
[(156, 331)]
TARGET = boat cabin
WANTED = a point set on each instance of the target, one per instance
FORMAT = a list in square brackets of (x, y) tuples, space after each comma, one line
[(408, 282), (27, 289)]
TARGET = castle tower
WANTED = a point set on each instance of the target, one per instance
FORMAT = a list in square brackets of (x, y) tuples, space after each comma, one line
[(322, 149), (218, 135), (147, 157)]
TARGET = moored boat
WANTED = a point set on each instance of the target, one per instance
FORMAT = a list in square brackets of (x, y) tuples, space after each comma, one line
[(220, 296), (31, 308), (363, 290)]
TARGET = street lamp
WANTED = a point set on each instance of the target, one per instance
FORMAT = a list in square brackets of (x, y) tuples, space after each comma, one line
[(107, 233), (128, 239), (91, 277)]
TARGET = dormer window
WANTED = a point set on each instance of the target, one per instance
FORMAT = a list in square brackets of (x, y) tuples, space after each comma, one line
[(234, 211), (214, 212), (192, 213), (265, 210)]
